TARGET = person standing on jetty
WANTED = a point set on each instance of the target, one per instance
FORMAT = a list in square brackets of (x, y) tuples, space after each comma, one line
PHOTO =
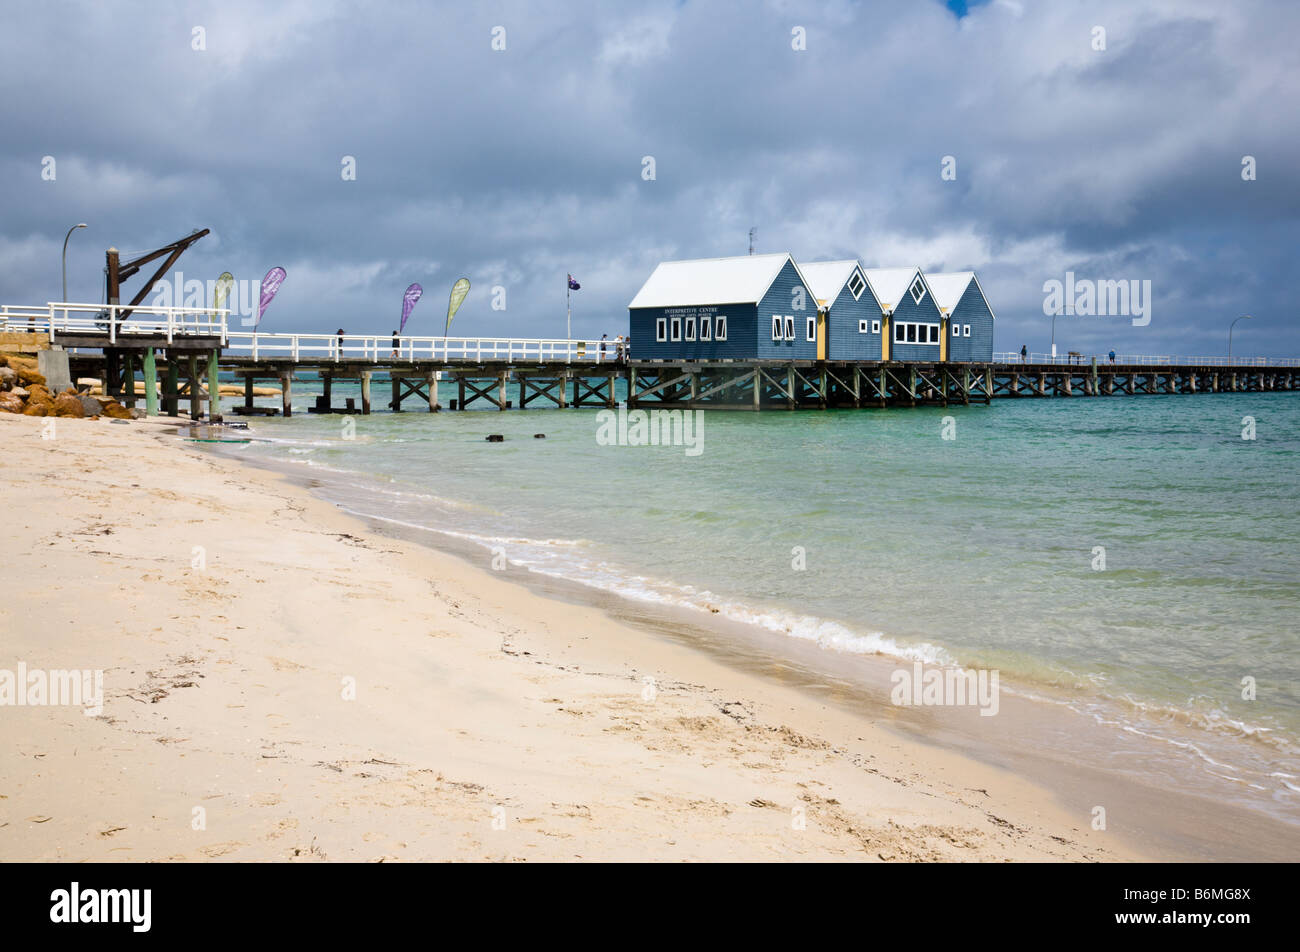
[(397, 343), (1024, 353), (341, 332), (603, 345)]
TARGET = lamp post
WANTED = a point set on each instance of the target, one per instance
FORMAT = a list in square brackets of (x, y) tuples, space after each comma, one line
[(65, 258), (65, 265), (1054, 316), (1244, 317)]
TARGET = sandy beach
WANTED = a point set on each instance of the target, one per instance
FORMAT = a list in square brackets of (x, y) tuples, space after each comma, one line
[(281, 683)]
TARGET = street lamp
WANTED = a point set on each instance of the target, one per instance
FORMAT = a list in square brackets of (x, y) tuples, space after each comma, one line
[(1054, 336), (65, 262), (1244, 317)]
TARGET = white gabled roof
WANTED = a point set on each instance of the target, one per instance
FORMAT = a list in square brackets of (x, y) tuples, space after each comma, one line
[(702, 281), (890, 284), (827, 278), (949, 286)]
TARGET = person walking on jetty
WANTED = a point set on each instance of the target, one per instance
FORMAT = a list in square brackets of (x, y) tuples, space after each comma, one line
[(1024, 353), (603, 345), (341, 333), (397, 343), (1112, 356)]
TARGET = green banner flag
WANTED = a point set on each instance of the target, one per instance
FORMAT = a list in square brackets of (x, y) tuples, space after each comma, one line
[(221, 292), (458, 292)]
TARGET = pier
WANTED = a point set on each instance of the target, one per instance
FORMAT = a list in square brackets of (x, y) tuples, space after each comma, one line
[(181, 352)]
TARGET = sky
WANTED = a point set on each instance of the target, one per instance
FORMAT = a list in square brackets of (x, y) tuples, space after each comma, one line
[(514, 143)]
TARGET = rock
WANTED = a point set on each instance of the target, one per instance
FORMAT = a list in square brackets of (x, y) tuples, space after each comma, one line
[(90, 406), (37, 409), (116, 411), (495, 438), (138, 413), (40, 393), (9, 403), (68, 405), (539, 436), (20, 392), (30, 376), (8, 377)]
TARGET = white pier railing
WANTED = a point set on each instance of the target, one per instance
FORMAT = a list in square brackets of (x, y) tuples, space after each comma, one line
[(379, 348), (115, 320), (1145, 360), (123, 321)]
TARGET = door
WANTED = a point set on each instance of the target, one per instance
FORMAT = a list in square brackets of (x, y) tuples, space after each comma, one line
[(821, 335)]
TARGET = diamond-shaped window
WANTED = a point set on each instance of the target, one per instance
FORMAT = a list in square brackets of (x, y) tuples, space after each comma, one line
[(918, 289), (856, 284)]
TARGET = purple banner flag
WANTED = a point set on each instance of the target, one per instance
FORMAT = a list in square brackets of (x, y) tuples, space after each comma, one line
[(574, 285), (270, 284), (408, 303)]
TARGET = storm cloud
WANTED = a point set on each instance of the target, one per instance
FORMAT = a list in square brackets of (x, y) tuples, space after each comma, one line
[(515, 166)]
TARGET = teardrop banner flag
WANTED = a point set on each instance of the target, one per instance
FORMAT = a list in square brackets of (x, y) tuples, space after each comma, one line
[(270, 284), (221, 291), (458, 292), (408, 304)]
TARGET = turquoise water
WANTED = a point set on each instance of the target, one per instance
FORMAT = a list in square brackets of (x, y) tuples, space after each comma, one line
[(981, 550)]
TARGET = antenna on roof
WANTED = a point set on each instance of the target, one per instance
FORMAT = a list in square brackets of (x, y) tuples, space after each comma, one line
[(752, 232)]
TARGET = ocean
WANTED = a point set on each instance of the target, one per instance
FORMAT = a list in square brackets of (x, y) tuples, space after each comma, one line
[(1134, 561)]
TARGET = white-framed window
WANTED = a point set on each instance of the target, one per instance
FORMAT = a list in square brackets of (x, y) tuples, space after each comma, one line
[(706, 327), (862, 327), (965, 330), (690, 327), (812, 328), (789, 327), (776, 327), (661, 329), (917, 289), (676, 325), (908, 332), (875, 327), (857, 284), (720, 327), (956, 330)]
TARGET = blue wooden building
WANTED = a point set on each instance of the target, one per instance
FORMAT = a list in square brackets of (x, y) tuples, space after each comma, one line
[(742, 308), (854, 319), (913, 324), (967, 315)]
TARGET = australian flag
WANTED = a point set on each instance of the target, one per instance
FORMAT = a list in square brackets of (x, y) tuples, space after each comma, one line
[(574, 285)]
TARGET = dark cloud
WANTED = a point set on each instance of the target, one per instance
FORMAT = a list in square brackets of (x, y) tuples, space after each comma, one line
[(515, 167)]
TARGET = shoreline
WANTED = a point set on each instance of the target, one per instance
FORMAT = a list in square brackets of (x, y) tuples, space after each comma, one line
[(1171, 824), (485, 697)]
